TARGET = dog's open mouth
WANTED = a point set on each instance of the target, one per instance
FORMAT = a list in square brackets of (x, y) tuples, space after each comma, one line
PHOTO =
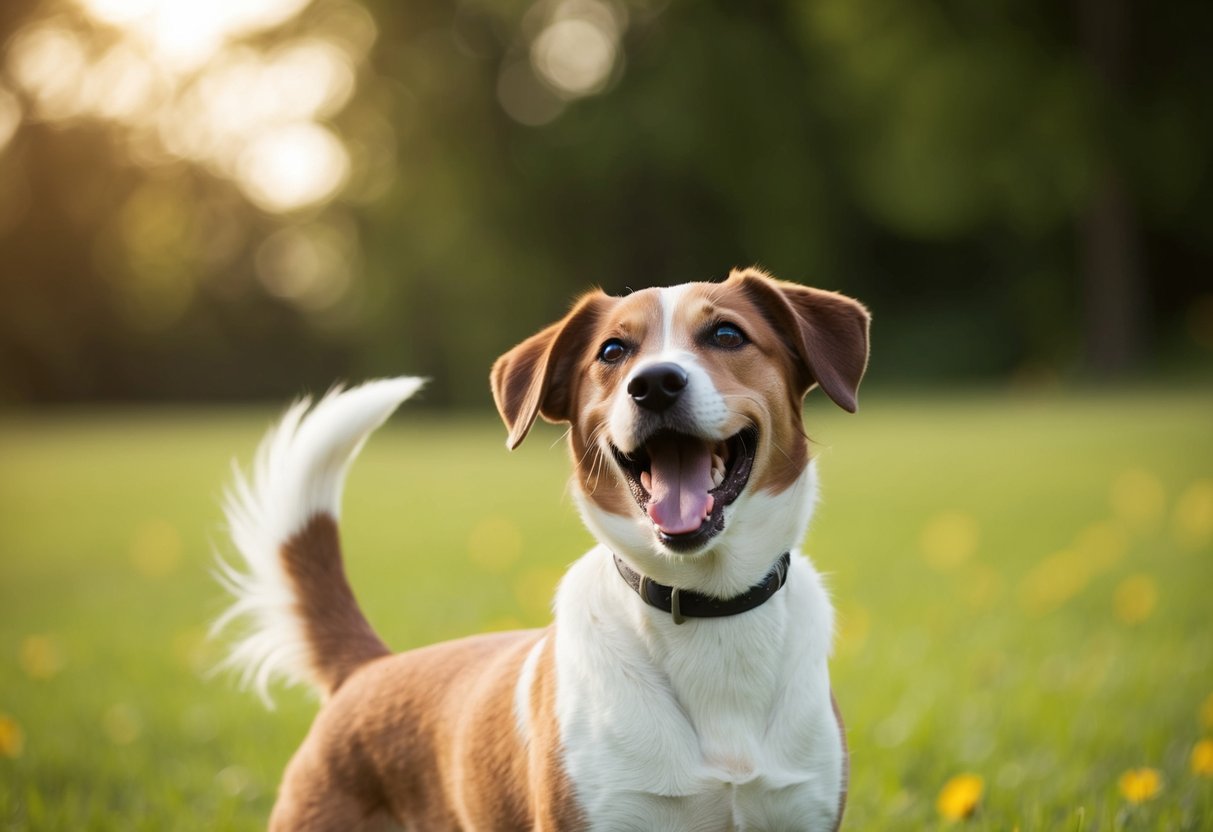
[(683, 483)]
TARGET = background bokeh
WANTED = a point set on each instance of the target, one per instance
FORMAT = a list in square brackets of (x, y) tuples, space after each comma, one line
[(248, 198), (207, 208)]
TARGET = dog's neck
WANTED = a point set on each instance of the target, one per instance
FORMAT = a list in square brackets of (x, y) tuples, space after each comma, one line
[(760, 528), (682, 605)]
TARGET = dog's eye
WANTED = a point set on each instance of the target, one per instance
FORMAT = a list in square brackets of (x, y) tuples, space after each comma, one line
[(728, 336), (612, 351)]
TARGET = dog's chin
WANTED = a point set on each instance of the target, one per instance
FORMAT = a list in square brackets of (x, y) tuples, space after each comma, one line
[(731, 464)]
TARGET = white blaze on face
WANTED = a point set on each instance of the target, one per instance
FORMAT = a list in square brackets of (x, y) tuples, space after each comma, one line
[(670, 296), (702, 409), (682, 470)]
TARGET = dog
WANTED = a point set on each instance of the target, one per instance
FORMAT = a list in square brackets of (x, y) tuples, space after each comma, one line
[(683, 684)]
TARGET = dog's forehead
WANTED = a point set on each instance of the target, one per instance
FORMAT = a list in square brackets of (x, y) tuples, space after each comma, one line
[(636, 314), (693, 303), (671, 312)]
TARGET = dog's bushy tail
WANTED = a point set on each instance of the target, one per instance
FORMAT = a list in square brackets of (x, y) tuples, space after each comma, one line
[(300, 620)]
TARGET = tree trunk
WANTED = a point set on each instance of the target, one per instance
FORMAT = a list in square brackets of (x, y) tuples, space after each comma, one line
[(1115, 302)]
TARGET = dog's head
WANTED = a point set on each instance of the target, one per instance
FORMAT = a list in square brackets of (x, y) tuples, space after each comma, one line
[(684, 406)]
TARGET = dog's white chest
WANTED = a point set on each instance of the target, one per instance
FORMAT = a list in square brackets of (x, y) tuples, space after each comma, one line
[(714, 795), (724, 808), (698, 727)]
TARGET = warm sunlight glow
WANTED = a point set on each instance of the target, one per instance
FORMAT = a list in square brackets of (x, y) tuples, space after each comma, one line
[(309, 265), (120, 12), (49, 62), (184, 35), (573, 54), (243, 94), (189, 83), (292, 166), (308, 79), (122, 85), (10, 116)]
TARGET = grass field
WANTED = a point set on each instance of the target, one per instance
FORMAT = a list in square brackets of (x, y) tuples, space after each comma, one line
[(1025, 588)]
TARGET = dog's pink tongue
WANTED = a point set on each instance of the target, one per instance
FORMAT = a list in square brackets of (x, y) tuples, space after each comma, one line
[(681, 472)]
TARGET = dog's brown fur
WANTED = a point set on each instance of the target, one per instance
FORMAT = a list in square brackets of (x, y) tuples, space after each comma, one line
[(420, 735)]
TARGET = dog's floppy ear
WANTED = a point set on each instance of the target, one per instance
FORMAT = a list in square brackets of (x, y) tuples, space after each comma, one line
[(538, 377), (827, 331)]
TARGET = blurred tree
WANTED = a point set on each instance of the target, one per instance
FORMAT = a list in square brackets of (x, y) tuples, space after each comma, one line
[(1109, 255), (1018, 189), (1033, 121)]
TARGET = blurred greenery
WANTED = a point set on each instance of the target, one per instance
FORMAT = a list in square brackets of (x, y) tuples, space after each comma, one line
[(1020, 190), (970, 642)]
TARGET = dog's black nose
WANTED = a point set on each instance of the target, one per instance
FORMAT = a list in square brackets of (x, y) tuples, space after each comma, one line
[(657, 387)]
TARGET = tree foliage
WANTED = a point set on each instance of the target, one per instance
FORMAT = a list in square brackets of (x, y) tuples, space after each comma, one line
[(980, 173)]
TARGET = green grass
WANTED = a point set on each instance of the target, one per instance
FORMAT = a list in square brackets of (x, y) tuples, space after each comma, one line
[(968, 644)]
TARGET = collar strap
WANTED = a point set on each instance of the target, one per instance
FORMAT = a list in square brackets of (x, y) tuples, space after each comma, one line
[(683, 604)]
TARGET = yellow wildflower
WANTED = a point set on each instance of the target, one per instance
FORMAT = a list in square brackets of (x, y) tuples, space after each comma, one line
[(157, 549), (959, 797), (1135, 599), (1055, 580), (1202, 758), (41, 657), (12, 739), (949, 539), (1138, 785)]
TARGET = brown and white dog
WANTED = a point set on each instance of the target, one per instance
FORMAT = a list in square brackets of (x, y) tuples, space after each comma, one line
[(683, 684)]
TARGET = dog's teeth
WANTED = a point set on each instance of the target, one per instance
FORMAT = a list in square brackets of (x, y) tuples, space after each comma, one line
[(646, 480), (717, 470)]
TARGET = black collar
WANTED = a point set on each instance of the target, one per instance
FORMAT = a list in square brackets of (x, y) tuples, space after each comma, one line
[(684, 604)]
